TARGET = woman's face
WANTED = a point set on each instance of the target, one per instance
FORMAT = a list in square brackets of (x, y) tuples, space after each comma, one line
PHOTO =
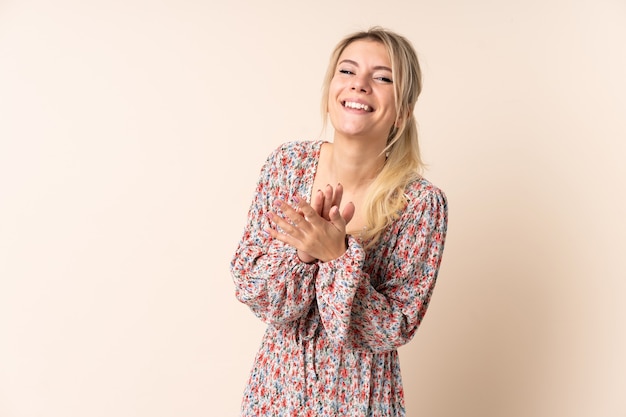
[(361, 93)]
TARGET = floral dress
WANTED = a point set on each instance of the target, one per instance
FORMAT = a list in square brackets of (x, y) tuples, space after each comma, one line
[(334, 327)]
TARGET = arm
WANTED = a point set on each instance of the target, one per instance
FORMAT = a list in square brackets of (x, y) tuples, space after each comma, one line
[(378, 319), (268, 275)]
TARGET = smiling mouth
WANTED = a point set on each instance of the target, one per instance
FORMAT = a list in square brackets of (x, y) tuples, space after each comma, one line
[(357, 106)]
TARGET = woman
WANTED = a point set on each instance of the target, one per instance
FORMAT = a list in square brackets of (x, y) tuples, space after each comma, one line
[(343, 243)]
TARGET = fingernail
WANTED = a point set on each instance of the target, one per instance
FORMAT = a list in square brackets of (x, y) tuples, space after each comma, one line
[(278, 203), (269, 215), (296, 199)]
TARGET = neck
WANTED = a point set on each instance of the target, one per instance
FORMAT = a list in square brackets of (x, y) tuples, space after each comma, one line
[(353, 165)]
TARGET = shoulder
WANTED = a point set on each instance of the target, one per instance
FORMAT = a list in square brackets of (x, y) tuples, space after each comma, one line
[(292, 159), (425, 198), (296, 150), (422, 189)]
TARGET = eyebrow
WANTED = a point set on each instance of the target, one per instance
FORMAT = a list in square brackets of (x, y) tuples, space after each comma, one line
[(377, 67)]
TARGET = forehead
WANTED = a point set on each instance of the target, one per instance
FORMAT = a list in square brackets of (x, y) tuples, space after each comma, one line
[(366, 52)]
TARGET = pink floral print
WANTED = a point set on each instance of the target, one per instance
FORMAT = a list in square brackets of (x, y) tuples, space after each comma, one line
[(334, 327)]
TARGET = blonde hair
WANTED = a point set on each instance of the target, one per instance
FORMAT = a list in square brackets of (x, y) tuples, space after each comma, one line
[(385, 197)]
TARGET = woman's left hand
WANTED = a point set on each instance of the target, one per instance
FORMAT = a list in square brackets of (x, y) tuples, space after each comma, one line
[(307, 231)]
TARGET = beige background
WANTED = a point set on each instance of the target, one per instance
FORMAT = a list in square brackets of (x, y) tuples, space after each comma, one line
[(131, 136)]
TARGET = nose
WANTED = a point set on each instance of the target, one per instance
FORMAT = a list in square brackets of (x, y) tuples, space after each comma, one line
[(359, 83)]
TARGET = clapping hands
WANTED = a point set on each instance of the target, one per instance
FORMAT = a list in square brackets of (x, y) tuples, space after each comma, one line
[(317, 230)]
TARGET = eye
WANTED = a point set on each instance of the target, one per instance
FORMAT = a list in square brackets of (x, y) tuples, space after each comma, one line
[(345, 71), (386, 80)]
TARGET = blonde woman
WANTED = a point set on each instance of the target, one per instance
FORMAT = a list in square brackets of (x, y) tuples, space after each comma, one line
[(343, 243)]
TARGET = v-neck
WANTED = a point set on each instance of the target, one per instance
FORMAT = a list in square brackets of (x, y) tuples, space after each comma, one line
[(311, 172)]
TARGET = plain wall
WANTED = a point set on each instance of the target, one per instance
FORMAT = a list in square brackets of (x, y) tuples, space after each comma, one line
[(131, 136)]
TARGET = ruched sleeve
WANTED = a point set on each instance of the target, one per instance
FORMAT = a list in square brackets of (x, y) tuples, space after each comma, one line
[(359, 315), (268, 275)]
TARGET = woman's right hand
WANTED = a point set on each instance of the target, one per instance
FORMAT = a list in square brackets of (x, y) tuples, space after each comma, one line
[(322, 202)]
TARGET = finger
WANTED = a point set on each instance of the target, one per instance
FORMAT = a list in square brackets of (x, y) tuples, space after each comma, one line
[(328, 200), (348, 212), (317, 201), (276, 222), (306, 216), (336, 219), (296, 205), (338, 195), (310, 214), (283, 237), (288, 212), (289, 222)]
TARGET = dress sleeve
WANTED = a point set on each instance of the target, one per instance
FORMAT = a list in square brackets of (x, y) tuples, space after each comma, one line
[(356, 314), (268, 275)]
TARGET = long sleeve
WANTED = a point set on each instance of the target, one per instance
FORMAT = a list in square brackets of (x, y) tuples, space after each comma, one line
[(357, 314), (268, 275)]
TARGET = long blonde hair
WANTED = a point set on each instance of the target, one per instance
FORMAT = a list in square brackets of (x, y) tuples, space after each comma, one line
[(385, 196)]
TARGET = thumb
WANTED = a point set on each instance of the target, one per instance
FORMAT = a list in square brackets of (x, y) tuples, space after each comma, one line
[(336, 219), (348, 212)]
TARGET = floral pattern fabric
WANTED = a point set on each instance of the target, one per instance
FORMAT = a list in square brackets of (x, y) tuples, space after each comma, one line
[(334, 327)]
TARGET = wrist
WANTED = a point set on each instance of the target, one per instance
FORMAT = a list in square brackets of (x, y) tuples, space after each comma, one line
[(339, 253), (306, 258)]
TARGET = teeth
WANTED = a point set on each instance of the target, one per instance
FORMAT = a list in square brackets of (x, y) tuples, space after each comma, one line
[(354, 105)]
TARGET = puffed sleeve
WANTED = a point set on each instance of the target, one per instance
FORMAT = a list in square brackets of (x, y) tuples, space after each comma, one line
[(356, 314), (268, 275)]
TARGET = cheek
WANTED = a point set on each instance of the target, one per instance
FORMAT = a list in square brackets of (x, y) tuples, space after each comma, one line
[(333, 95), (333, 88), (390, 118), (330, 103)]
